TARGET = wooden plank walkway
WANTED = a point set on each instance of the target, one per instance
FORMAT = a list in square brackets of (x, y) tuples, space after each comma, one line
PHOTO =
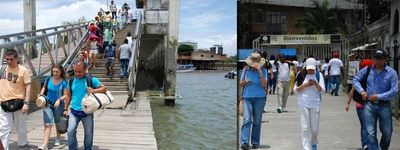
[(113, 129)]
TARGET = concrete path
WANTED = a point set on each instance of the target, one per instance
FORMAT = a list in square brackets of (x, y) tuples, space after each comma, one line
[(339, 130)]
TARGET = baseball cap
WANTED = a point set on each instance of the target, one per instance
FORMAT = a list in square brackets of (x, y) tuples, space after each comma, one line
[(367, 62), (380, 53), (336, 54), (311, 63)]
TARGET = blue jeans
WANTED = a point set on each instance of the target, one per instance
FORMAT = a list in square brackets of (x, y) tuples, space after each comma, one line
[(124, 68), (50, 113), (272, 82), (335, 79), (363, 131), (87, 127), (122, 22), (252, 106), (372, 112)]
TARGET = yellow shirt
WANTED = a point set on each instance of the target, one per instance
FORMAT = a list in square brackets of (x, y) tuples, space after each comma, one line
[(13, 83), (108, 18), (100, 18)]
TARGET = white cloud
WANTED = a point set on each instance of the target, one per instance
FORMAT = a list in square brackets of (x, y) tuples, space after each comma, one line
[(207, 24)]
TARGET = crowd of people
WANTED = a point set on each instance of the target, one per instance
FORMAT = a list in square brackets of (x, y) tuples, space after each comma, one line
[(309, 79)]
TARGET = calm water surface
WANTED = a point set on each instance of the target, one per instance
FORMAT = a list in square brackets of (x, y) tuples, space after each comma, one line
[(204, 119)]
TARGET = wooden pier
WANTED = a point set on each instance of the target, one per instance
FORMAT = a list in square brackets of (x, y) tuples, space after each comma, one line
[(113, 128)]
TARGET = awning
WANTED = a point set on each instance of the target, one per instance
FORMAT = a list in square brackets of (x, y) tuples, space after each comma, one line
[(364, 47)]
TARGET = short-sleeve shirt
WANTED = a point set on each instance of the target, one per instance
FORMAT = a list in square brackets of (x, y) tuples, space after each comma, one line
[(13, 82), (54, 92), (325, 69), (335, 65), (79, 90), (283, 71), (108, 35), (124, 51)]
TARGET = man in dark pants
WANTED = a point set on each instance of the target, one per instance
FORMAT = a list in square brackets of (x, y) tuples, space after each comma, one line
[(267, 66), (382, 85)]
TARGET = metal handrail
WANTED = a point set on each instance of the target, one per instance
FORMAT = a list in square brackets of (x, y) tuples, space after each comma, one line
[(41, 30), (133, 61), (72, 33)]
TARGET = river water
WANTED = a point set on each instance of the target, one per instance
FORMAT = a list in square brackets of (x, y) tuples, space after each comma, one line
[(204, 119)]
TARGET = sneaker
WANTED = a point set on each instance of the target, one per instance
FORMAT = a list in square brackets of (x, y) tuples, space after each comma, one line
[(57, 142), (270, 91), (314, 147), (245, 146), (279, 109), (336, 95), (284, 110), (43, 147), (24, 147), (255, 146), (365, 147), (332, 92), (121, 77)]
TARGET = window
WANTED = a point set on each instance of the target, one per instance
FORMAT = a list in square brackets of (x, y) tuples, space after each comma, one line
[(276, 22)]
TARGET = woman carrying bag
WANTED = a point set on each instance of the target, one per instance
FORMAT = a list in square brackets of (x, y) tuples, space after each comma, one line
[(56, 88), (254, 79)]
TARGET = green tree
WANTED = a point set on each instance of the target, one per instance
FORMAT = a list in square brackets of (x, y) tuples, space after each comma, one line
[(231, 59), (185, 48), (244, 27), (377, 9), (320, 19)]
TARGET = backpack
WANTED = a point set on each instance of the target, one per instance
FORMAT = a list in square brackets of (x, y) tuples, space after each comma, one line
[(88, 82), (45, 86), (110, 51), (357, 96)]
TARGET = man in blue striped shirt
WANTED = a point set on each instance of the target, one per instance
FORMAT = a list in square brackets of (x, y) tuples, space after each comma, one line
[(382, 85)]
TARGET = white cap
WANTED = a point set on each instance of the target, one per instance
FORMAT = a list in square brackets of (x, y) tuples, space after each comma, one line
[(311, 63)]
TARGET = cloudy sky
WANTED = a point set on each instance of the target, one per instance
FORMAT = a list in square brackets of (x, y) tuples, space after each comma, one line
[(206, 22)]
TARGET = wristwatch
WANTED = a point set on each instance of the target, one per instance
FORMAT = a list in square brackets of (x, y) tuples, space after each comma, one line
[(26, 102)]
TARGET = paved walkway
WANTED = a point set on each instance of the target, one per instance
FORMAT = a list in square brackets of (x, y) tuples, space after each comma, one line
[(339, 130), (114, 129)]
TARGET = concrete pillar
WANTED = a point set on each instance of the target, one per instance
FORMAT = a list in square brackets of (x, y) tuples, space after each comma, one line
[(171, 51), (35, 90), (30, 22)]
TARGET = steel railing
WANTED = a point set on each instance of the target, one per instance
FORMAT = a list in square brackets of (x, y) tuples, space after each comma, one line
[(134, 60), (37, 42)]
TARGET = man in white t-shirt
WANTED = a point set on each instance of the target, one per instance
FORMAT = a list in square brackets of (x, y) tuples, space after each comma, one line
[(283, 81), (318, 63), (335, 72)]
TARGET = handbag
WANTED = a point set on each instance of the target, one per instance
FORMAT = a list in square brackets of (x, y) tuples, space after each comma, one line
[(357, 96), (63, 125), (12, 105), (240, 102), (94, 101)]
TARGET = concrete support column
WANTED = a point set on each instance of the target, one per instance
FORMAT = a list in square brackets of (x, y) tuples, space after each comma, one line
[(30, 24), (171, 51)]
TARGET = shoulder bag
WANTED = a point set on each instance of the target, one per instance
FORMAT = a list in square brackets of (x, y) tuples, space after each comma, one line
[(240, 102)]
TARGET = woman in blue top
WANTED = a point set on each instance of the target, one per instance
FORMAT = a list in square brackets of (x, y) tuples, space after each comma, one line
[(254, 79), (56, 94)]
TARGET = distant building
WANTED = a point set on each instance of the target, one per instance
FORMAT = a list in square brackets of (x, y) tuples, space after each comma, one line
[(216, 49), (193, 44)]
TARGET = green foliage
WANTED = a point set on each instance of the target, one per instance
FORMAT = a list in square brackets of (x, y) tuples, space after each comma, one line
[(231, 59), (244, 28), (185, 48), (377, 10), (320, 19)]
